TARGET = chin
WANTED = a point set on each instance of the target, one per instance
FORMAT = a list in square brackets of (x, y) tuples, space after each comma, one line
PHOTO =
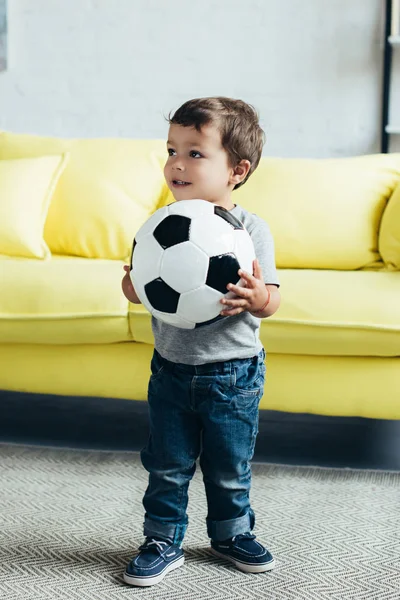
[(183, 196)]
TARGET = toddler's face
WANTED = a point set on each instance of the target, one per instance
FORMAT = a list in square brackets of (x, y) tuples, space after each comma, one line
[(197, 165)]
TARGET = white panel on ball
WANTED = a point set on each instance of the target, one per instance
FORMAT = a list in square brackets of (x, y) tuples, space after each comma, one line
[(200, 305), (151, 223), (212, 234), (184, 275), (173, 319), (146, 261), (191, 208), (244, 250)]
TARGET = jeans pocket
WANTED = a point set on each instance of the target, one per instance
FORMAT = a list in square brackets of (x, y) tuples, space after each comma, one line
[(156, 366), (249, 377), (255, 389), (247, 400)]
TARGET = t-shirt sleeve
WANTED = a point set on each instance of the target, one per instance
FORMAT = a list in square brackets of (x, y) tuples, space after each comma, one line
[(265, 251)]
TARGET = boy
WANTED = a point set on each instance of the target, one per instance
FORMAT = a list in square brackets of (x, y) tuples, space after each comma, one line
[(206, 383)]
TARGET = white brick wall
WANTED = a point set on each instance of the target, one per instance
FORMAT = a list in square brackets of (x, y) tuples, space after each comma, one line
[(100, 68)]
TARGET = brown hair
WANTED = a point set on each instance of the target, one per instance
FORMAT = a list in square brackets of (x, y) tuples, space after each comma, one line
[(237, 121)]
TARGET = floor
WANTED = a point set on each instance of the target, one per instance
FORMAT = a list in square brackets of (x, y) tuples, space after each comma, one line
[(285, 438)]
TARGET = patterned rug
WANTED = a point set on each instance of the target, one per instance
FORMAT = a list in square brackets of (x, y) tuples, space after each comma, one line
[(71, 519)]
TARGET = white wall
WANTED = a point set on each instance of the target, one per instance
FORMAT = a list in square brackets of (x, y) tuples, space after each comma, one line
[(394, 110), (91, 68)]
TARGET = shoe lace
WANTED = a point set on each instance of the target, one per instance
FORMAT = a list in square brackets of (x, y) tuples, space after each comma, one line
[(152, 543)]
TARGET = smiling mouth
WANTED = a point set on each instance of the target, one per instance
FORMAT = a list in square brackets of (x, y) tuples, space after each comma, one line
[(180, 183)]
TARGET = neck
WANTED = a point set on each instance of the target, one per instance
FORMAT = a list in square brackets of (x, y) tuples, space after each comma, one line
[(226, 203)]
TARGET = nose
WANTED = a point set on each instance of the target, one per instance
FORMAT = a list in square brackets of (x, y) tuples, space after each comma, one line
[(178, 164)]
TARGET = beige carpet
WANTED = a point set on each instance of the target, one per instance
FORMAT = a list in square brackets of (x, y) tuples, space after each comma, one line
[(70, 520)]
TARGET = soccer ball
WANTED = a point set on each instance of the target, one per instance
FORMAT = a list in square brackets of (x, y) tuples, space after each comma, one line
[(184, 256)]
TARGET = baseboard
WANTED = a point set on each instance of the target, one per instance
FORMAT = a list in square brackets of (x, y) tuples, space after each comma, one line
[(114, 424)]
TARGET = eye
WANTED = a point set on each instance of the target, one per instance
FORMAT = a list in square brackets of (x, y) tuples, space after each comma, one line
[(171, 152), (195, 154)]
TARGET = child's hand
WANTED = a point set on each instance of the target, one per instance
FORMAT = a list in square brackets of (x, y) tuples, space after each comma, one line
[(128, 288), (251, 298)]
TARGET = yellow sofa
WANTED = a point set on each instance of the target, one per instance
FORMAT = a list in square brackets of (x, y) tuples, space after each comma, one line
[(69, 210)]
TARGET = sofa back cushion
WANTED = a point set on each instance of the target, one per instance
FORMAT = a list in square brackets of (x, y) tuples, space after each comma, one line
[(389, 237), (323, 213), (107, 191)]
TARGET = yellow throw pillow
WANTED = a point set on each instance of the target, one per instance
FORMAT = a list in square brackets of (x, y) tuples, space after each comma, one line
[(323, 213), (108, 190), (389, 235), (26, 189)]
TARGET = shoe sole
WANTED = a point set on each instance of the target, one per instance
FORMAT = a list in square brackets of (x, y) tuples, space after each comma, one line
[(153, 580), (246, 567)]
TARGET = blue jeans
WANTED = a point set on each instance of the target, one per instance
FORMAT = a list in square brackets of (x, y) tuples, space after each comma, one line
[(211, 411)]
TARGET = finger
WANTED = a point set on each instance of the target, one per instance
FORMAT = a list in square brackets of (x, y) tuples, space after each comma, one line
[(232, 312), (233, 306), (247, 279), (242, 292), (245, 275), (234, 302), (257, 269)]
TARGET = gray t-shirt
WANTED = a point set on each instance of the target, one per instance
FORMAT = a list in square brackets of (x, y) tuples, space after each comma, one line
[(230, 337)]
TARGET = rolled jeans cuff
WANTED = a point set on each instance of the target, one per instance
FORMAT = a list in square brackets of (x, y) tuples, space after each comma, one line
[(219, 531), (172, 532)]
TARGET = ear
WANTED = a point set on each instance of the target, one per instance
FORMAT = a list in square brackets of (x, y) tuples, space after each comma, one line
[(239, 172)]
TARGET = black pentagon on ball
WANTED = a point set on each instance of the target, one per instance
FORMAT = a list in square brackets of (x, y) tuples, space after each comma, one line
[(220, 211), (133, 250), (222, 270), (172, 230), (161, 296)]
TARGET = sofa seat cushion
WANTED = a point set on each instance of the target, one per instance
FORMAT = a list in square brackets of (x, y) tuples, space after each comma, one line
[(63, 300), (328, 313)]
